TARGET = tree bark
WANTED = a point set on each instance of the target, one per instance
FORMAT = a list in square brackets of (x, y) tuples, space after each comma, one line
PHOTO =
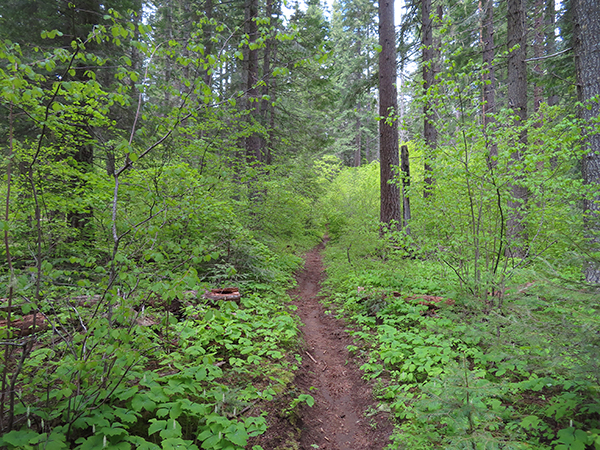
[(208, 31), (429, 130), (357, 150), (587, 66), (83, 153), (388, 104), (538, 52), (517, 101), (405, 168), (253, 153), (550, 41), (266, 104), (488, 77)]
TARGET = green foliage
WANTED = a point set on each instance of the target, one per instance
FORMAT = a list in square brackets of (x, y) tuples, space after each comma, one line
[(131, 192), (463, 375), (510, 361), (129, 197), (349, 206), (108, 383)]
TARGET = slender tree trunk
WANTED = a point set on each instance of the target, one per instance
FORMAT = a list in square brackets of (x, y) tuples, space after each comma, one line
[(402, 108), (405, 167), (81, 220), (8, 350), (265, 103), (207, 30), (429, 130), (168, 69), (271, 108), (253, 140), (272, 81), (587, 66), (488, 77), (357, 150), (358, 75), (517, 101), (550, 27), (388, 129), (538, 52), (550, 42)]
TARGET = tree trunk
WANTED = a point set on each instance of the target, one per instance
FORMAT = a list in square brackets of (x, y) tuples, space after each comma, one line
[(538, 52), (488, 77), (83, 153), (587, 66), (550, 27), (266, 109), (357, 150), (405, 167), (429, 130), (517, 101), (253, 153), (207, 31), (388, 129), (550, 44)]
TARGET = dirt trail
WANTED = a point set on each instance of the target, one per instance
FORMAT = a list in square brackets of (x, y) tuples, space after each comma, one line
[(338, 420)]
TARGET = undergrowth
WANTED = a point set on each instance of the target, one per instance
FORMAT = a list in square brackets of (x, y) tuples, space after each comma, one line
[(475, 373), (130, 383), (124, 351)]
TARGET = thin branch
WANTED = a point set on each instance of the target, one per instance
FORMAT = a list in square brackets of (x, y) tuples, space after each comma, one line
[(549, 56), (139, 106), (311, 357)]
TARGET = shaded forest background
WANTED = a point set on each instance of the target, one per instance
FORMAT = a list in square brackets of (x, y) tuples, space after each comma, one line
[(155, 150)]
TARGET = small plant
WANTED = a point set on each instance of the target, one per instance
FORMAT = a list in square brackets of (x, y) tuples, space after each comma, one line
[(303, 398)]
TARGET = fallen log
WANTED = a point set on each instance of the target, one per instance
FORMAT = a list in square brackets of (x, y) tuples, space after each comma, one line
[(231, 293), (24, 326)]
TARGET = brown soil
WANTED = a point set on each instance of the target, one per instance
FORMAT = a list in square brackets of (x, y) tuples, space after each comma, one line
[(345, 415)]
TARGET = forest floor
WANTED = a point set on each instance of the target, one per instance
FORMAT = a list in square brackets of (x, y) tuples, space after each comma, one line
[(345, 415)]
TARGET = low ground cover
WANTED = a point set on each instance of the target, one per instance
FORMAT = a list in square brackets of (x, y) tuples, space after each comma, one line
[(518, 369), (146, 379)]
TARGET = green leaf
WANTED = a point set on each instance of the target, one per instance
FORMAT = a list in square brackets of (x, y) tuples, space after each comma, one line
[(116, 431), (239, 437), (175, 410), (141, 443), (172, 430), (141, 401), (91, 443), (211, 442), (156, 425), (126, 415), (18, 438), (127, 393), (27, 308)]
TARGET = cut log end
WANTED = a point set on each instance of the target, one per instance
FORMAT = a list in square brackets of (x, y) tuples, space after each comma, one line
[(230, 294)]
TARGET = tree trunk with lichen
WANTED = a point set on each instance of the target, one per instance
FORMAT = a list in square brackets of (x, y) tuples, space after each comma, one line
[(516, 232), (388, 104), (587, 65)]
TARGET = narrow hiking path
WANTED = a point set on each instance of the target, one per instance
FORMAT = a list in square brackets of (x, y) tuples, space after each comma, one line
[(343, 417)]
